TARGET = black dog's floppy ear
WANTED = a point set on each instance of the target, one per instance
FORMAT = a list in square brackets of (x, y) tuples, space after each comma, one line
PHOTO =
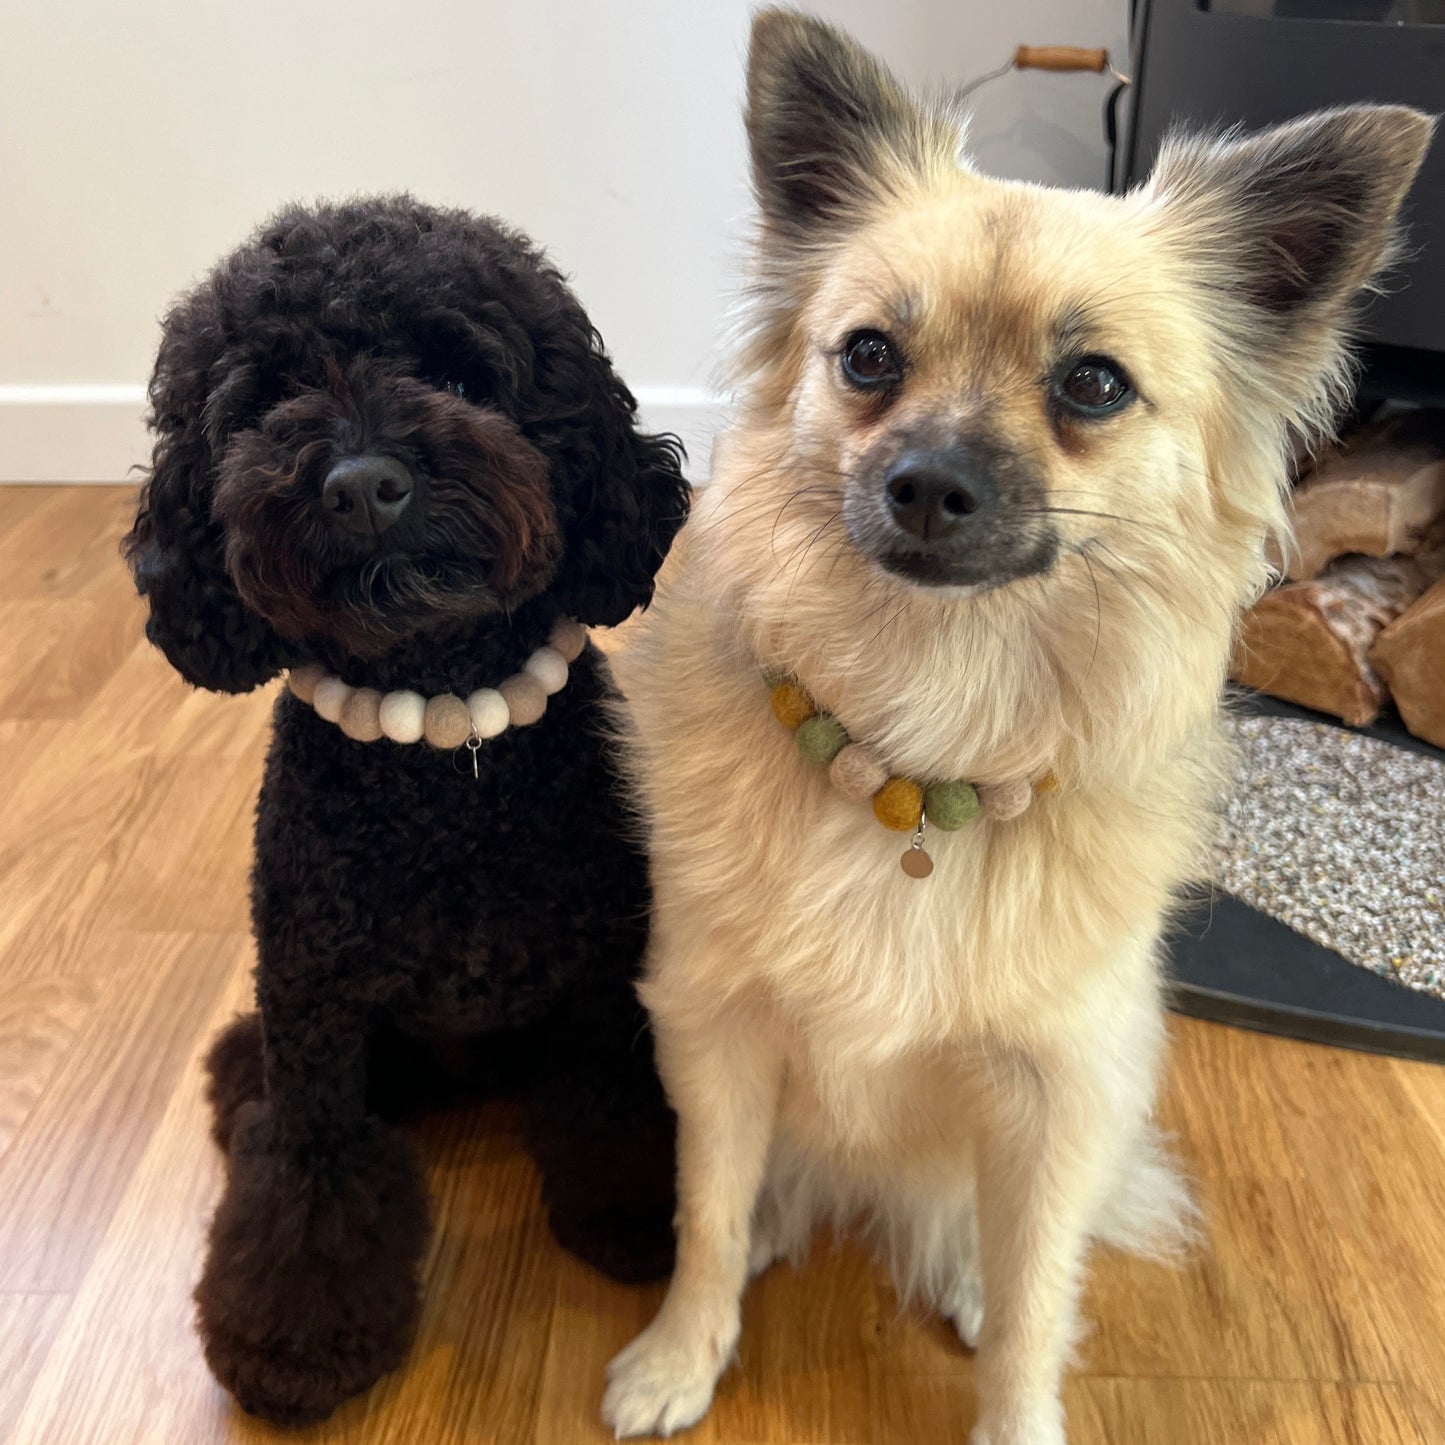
[(625, 522), (829, 129), (176, 551)]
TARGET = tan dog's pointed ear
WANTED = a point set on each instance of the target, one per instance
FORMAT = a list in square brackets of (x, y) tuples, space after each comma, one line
[(829, 127), (1295, 219)]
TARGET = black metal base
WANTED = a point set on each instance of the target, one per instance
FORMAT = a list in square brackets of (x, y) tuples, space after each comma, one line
[(1233, 965)]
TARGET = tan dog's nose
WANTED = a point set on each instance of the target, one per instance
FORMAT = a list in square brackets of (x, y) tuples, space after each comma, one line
[(932, 493)]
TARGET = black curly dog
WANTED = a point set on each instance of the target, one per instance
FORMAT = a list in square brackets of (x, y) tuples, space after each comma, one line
[(406, 912)]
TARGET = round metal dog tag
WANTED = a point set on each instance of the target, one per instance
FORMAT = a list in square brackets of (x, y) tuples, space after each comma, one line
[(916, 863)]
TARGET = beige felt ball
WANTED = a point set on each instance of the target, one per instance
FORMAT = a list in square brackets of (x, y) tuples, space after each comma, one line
[(488, 709), (526, 699), (1002, 801), (448, 723), (329, 698), (403, 716), (569, 638), (361, 715), (856, 773), (549, 667), (302, 681)]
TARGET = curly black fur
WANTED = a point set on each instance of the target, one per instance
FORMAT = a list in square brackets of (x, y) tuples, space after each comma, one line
[(310, 1288), (416, 927)]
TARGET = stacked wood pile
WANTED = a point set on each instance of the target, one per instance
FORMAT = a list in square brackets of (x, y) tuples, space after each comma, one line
[(1359, 618)]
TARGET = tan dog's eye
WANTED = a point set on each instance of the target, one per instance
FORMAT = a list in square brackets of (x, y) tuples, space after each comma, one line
[(1094, 386), (870, 360)]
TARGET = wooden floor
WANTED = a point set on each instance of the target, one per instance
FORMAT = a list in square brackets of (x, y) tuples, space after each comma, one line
[(1315, 1315)]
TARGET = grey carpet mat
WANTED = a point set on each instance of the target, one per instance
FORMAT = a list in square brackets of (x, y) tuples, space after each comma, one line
[(1341, 837), (1335, 836)]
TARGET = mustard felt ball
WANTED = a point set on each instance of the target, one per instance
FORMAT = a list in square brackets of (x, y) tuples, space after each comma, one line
[(361, 715), (948, 806), (821, 738), (329, 698), (569, 638), (898, 804), (1003, 801), (488, 709), (302, 681), (791, 704), (448, 723), (402, 716), (549, 667), (856, 773), (526, 699), (1047, 783)]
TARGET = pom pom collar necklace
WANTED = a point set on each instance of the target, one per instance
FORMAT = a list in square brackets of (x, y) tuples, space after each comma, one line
[(904, 805), (446, 721)]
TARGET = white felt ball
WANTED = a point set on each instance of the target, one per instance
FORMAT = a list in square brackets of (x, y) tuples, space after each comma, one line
[(403, 716), (490, 715), (549, 667), (329, 698)]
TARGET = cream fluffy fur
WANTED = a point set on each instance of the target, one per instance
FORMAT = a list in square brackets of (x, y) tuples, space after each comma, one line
[(971, 1060)]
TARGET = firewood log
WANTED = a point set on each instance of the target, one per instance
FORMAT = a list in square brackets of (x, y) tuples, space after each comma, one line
[(1410, 655), (1376, 495), (1309, 642)]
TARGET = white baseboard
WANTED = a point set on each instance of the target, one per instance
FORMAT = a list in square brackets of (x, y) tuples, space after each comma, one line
[(95, 433), (73, 433), (690, 413)]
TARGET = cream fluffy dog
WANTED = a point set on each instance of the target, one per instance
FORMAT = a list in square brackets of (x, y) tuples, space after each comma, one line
[(1003, 467)]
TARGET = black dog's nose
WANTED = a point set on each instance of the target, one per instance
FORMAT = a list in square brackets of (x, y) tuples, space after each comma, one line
[(930, 493), (366, 494)]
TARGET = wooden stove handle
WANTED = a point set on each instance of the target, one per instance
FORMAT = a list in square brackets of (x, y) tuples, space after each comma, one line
[(1060, 57)]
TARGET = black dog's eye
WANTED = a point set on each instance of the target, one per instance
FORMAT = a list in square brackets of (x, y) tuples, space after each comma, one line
[(457, 388), (1094, 386), (870, 360)]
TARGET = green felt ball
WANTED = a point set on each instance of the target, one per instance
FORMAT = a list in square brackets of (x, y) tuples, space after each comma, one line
[(948, 806), (821, 738)]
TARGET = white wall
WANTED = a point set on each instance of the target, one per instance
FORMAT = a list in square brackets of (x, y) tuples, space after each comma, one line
[(139, 139)]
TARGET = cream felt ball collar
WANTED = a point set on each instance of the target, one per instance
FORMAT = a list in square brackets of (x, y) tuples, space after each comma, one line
[(445, 721)]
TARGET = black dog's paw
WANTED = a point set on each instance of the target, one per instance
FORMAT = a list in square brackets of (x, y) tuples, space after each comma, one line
[(310, 1293), (635, 1249), (235, 1073)]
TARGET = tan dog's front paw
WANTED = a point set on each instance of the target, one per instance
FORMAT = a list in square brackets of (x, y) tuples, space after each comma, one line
[(663, 1381), (1035, 1427)]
